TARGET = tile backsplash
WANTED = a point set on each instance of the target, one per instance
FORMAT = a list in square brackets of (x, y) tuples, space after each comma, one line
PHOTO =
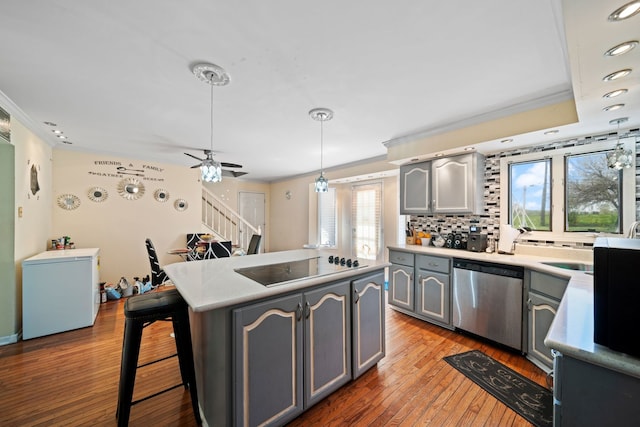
[(489, 220)]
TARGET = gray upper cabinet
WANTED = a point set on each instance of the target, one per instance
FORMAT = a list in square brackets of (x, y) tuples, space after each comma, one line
[(458, 184), (415, 188), (368, 323)]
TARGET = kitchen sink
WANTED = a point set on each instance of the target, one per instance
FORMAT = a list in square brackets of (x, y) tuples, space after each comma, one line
[(578, 266)]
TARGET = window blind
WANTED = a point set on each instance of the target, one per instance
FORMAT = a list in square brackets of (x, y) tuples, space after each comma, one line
[(327, 216)]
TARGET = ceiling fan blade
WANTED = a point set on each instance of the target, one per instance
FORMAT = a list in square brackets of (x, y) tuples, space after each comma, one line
[(232, 174), (196, 166), (191, 155), (230, 165)]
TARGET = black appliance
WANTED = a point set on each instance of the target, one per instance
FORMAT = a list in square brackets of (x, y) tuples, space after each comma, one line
[(448, 241), (459, 241), (477, 242), (616, 294)]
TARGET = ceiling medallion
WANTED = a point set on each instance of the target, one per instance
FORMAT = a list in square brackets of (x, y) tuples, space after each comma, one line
[(161, 195), (68, 201), (131, 188), (97, 194), (180, 205), (211, 74)]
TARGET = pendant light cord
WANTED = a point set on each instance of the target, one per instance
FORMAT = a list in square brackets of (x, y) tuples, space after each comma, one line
[(211, 127), (321, 142)]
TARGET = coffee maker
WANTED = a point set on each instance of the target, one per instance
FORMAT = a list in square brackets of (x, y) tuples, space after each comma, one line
[(477, 241)]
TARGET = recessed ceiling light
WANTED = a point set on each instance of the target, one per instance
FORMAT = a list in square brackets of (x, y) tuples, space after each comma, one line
[(56, 131), (626, 11), (50, 124), (506, 141), (613, 107), (439, 154), (614, 93), (617, 75), (67, 142), (62, 137), (469, 149), (551, 132), (621, 48), (618, 121)]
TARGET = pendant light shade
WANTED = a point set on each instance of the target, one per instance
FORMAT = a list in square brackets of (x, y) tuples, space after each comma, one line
[(322, 115), (210, 169), (619, 158)]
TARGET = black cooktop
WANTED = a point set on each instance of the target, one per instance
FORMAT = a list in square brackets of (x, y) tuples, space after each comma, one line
[(277, 274)]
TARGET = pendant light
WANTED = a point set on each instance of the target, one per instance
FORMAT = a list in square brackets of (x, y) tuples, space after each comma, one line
[(213, 75), (322, 115), (619, 158)]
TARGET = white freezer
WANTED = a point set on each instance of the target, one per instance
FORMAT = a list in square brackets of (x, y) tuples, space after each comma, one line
[(60, 291)]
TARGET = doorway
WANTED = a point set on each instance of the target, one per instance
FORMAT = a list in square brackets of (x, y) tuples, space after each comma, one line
[(251, 207)]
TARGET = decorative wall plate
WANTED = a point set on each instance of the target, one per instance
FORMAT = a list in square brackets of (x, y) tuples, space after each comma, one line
[(131, 188), (97, 194), (68, 201), (161, 195), (180, 205)]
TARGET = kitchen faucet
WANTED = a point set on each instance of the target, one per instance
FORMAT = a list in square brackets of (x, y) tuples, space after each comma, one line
[(633, 230)]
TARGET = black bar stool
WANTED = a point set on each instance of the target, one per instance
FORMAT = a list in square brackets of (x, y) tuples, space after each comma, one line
[(141, 311)]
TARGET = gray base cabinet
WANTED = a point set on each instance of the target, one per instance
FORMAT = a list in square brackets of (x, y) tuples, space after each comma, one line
[(401, 289), (545, 293), (590, 395), (272, 349), (292, 351), (432, 296), (368, 323)]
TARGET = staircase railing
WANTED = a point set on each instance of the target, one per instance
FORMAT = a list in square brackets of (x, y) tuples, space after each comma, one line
[(225, 222)]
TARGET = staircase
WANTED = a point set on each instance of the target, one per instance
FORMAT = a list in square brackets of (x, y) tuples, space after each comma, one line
[(225, 222)]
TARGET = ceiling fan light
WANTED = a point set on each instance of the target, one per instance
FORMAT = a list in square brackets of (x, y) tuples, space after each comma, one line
[(322, 185), (211, 172)]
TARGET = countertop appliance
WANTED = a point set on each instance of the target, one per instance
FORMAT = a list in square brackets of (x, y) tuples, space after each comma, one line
[(616, 293), (283, 272), (477, 242), (487, 300), (60, 291)]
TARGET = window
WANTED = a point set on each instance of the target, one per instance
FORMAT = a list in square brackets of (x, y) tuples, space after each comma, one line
[(327, 229), (530, 194), (592, 194), (366, 210), (568, 194)]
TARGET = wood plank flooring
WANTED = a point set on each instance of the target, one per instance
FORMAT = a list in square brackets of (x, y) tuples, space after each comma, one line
[(71, 379)]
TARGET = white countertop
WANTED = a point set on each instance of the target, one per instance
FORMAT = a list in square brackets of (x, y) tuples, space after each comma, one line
[(213, 283), (571, 332), (63, 254)]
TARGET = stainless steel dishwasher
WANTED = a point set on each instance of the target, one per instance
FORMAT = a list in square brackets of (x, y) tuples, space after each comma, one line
[(487, 300)]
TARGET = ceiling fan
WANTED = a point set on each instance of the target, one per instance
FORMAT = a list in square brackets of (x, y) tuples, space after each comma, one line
[(208, 161)]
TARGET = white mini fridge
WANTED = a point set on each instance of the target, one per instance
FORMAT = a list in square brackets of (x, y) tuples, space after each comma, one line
[(60, 291)]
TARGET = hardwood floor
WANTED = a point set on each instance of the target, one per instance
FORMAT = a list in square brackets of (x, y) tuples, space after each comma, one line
[(71, 379)]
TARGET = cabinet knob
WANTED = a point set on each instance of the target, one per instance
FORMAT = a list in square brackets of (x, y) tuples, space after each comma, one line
[(307, 310), (299, 312), (356, 296)]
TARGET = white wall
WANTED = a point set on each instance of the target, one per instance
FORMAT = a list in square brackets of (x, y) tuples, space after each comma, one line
[(119, 226), (33, 228)]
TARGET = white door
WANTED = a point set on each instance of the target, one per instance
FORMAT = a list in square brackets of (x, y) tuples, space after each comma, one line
[(251, 207)]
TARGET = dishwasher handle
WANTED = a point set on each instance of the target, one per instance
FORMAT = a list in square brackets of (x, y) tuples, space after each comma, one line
[(490, 268)]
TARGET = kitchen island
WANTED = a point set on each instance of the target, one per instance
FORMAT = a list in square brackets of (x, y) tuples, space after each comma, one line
[(264, 354)]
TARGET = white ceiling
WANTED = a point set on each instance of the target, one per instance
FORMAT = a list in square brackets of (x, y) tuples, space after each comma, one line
[(116, 76)]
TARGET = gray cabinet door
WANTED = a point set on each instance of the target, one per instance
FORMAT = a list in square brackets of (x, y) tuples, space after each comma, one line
[(415, 188), (458, 184), (368, 323), (268, 361), (542, 310), (432, 296), (401, 292), (327, 356)]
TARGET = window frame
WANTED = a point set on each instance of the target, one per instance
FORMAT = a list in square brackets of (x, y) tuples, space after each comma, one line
[(557, 156)]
